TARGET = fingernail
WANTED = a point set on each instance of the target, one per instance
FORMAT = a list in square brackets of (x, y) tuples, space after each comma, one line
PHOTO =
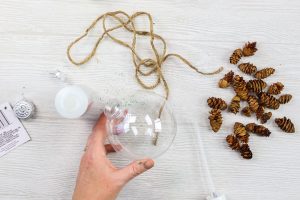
[(148, 164)]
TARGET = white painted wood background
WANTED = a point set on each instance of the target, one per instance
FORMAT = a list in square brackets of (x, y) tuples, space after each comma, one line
[(34, 35)]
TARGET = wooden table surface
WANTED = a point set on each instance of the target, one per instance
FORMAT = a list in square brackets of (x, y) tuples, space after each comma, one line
[(34, 36)]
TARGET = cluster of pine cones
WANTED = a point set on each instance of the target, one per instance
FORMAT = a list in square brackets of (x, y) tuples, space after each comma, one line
[(256, 95)]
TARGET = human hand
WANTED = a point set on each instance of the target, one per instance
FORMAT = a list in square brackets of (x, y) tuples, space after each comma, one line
[(98, 178)]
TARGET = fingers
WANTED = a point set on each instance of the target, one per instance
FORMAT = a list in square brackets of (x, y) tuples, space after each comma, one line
[(100, 127), (95, 143), (134, 169), (99, 132), (96, 140)]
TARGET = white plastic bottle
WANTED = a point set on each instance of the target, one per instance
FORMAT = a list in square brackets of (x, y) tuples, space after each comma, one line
[(72, 101)]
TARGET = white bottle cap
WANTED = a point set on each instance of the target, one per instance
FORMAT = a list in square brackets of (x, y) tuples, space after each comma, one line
[(71, 102)]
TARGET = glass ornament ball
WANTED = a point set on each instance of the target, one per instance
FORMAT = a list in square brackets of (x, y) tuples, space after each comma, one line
[(137, 126)]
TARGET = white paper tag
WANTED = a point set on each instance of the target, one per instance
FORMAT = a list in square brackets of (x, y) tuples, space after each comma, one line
[(12, 132)]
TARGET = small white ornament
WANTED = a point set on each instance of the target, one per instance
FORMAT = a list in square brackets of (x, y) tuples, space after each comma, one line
[(24, 109)]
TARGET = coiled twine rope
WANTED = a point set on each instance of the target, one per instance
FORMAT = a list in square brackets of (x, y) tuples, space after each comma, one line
[(143, 67)]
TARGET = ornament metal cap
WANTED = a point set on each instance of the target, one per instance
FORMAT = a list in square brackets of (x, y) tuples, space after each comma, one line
[(24, 109)]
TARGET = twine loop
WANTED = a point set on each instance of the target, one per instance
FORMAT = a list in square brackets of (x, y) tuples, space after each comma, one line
[(143, 67)]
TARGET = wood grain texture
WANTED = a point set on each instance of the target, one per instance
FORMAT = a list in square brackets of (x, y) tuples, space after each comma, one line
[(34, 35)]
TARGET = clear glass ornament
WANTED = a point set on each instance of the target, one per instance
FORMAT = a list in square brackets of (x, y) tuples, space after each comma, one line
[(137, 129), (140, 125)]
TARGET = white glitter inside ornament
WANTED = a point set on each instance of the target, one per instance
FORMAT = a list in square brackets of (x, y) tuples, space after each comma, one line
[(24, 109)]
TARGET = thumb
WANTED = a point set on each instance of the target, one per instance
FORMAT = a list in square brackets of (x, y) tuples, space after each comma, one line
[(134, 169)]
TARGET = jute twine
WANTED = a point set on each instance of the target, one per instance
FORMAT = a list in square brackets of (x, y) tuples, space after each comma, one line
[(143, 67)]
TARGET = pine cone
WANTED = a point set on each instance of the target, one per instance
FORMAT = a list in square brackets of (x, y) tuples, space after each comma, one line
[(258, 129), (216, 103), (250, 127), (265, 117), (264, 73), (226, 80), (245, 151), (253, 103), (260, 112), (223, 83), (249, 49), (256, 85), (215, 119), (262, 131), (283, 99), (229, 77), (246, 111), (240, 132), (268, 100), (239, 86), (275, 88), (233, 142), (234, 106), (247, 68), (236, 56), (285, 124)]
